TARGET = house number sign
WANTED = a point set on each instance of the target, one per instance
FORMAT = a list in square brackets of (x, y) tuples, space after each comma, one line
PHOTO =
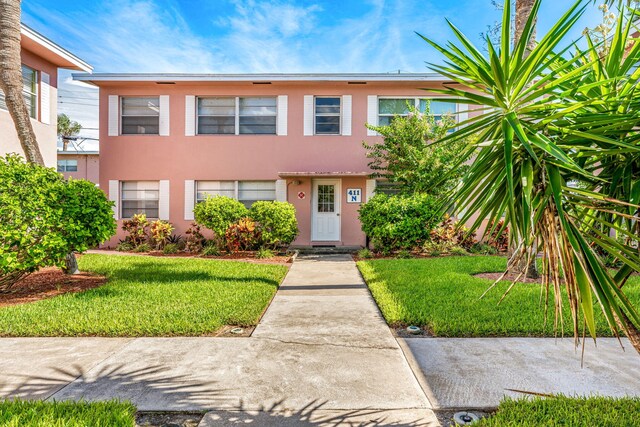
[(354, 195)]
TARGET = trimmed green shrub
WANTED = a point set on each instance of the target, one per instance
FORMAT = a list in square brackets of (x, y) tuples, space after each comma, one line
[(263, 253), (218, 213), (143, 247), (278, 222), (170, 248), (43, 218), (365, 253), (211, 249), (399, 222)]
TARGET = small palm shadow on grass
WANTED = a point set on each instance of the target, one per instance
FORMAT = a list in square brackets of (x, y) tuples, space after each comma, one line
[(116, 381)]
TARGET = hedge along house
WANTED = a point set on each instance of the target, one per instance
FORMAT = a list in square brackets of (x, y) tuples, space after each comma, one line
[(41, 58), (169, 140)]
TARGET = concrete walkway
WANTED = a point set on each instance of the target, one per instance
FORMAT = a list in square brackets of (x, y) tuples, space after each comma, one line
[(480, 372), (322, 355)]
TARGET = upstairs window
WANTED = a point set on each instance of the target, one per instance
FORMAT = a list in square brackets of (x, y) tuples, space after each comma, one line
[(388, 108), (217, 116), (237, 116), (140, 197), (68, 165), (140, 115), (29, 91), (327, 115)]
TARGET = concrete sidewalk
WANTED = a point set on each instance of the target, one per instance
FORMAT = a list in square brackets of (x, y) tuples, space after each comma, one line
[(321, 354), (479, 372)]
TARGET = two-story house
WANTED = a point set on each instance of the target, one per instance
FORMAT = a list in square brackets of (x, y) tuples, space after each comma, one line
[(41, 59), (169, 140)]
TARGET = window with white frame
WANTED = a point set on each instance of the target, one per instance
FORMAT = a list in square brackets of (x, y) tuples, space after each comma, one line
[(253, 191), (215, 188), (140, 197), (246, 192), (68, 165), (327, 115), (388, 108), (29, 91), (237, 115), (140, 115)]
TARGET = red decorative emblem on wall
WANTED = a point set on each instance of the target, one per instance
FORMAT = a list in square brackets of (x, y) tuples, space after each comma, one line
[(301, 195)]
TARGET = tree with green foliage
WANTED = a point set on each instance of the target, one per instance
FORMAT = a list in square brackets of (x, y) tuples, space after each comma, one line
[(546, 120), (43, 218), (407, 157), (67, 130)]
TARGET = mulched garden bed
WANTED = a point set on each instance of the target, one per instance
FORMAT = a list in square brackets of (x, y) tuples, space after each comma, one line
[(48, 283)]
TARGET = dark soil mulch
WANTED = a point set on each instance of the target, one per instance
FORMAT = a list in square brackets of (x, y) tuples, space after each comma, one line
[(48, 283), (247, 256)]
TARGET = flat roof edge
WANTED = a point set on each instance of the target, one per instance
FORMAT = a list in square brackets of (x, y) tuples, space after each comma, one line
[(285, 77)]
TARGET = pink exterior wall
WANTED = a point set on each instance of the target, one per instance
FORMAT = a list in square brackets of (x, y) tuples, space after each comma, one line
[(45, 133), (245, 157), (88, 166)]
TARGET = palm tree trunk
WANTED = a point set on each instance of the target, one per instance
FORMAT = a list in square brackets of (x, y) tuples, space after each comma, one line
[(523, 11), (11, 78)]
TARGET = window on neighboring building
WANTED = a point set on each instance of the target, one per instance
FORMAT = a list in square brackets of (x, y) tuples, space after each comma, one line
[(388, 108), (140, 197), (237, 115), (140, 115), (68, 165), (29, 91), (246, 192), (327, 115)]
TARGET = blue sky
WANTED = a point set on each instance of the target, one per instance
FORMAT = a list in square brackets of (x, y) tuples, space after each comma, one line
[(247, 36)]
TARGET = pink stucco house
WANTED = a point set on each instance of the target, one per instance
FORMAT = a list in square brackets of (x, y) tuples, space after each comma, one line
[(168, 140), (80, 165), (41, 59)]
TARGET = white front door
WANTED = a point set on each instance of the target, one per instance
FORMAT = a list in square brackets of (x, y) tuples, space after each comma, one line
[(325, 214)]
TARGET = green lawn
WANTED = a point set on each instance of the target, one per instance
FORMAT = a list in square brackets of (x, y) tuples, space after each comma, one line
[(566, 412), (66, 414), (148, 296), (442, 295)]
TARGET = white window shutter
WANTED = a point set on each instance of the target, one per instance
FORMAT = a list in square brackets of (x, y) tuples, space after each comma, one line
[(163, 200), (164, 115), (283, 110), (114, 196), (372, 113), (370, 188), (113, 119), (281, 190), (45, 98), (308, 115), (346, 115), (189, 199), (189, 115)]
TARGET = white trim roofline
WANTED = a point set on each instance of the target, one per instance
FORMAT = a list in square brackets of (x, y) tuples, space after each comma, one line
[(67, 57), (269, 77)]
